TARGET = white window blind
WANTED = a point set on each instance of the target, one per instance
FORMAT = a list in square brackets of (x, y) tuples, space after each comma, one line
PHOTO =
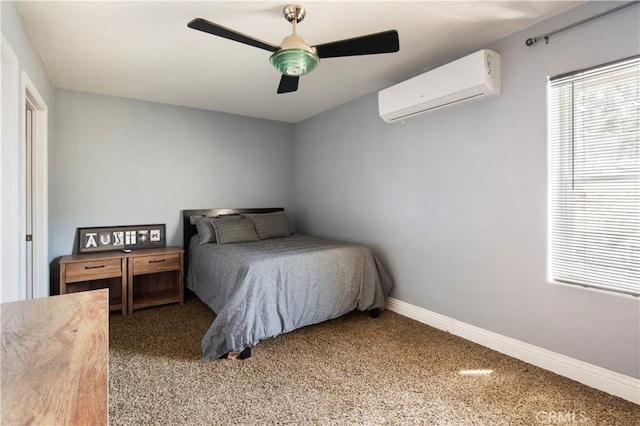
[(594, 177)]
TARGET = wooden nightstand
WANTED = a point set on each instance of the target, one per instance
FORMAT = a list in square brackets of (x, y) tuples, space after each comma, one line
[(154, 277), (96, 271), (135, 280)]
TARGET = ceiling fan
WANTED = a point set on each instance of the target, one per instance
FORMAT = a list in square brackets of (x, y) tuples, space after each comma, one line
[(294, 57)]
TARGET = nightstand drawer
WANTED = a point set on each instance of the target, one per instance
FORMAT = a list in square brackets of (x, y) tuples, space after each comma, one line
[(156, 263), (92, 270)]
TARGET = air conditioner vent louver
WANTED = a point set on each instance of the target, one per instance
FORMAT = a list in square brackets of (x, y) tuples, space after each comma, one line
[(472, 78)]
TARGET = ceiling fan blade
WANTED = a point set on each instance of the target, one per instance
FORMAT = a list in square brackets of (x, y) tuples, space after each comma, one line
[(220, 31), (384, 42), (288, 84)]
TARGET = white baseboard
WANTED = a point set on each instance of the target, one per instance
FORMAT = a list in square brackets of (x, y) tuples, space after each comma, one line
[(608, 381)]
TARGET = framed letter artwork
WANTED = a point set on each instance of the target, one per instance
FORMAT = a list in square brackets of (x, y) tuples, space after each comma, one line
[(132, 237)]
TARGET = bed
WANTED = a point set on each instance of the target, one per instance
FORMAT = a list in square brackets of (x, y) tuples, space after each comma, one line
[(263, 287)]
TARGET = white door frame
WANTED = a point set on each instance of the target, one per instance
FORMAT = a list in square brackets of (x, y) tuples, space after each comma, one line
[(10, 288), (40, 207)]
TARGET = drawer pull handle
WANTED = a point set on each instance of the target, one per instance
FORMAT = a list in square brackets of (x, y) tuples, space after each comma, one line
[(94, 267), (157, 261)]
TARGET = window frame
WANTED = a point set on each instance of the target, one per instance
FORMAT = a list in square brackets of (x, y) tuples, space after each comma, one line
[(555, 131)]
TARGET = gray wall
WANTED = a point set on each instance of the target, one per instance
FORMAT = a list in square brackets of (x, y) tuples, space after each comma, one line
[(455, 204), (120, 161)]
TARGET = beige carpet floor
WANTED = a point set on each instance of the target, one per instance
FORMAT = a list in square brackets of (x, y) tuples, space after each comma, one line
[(355, 370)]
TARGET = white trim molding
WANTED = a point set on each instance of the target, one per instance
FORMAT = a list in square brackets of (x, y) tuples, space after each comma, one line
[(40, 185), (10, 284), (608, 381)]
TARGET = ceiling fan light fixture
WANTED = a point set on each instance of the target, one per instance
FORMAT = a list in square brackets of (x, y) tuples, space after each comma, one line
[(294, 57), (294, 62)]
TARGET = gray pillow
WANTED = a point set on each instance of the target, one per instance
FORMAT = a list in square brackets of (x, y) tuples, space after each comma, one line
[(234, 231), (271, 225), (204, 225)]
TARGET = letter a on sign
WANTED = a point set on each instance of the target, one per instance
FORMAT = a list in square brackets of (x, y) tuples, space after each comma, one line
[(91, 240)]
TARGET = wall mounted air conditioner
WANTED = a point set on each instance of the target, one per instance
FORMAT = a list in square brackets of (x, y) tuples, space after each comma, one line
[(472, 78)]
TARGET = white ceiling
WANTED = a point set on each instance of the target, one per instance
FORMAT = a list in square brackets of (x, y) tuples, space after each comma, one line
[(144, 49)]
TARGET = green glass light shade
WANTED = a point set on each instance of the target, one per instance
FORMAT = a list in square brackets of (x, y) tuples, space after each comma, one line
[(294, 62)]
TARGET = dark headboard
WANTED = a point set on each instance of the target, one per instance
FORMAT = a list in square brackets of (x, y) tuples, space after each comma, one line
[(189, 230)]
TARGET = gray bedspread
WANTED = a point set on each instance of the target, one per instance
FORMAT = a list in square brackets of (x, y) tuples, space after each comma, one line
[(262, 289)]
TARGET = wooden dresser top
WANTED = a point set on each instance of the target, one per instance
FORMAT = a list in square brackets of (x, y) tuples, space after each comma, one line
[(54, 365)]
